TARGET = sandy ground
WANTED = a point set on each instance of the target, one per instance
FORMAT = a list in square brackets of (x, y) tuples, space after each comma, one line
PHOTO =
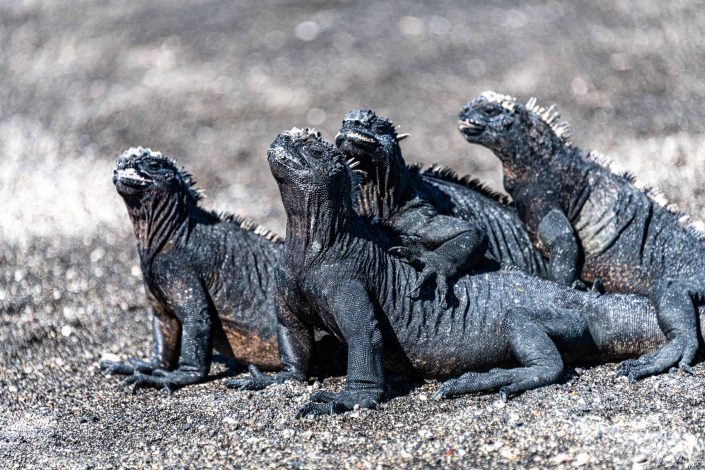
[(211, 83)]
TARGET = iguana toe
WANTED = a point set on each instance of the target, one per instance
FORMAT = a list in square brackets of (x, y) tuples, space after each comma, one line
[(112, 367), (315, 409), (166, 380), (675, 353), (325, 403), (250, 383), (446, 390), (138, 381), (323, 396)]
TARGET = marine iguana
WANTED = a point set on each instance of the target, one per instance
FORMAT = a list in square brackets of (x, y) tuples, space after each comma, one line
[(336, 274), (452, 244), (595, 223), (457, 220), (209, 277)]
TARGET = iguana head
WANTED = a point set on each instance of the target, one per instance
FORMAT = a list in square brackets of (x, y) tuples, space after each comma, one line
[(158, 196), (315, 185), (141, 175), (371, 144), (301, 159), (504, 125), (370, 140)]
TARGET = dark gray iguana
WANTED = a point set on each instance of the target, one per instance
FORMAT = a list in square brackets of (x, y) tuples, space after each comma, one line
[(594, 223), (209, 277), (455, 220), (336, 274)]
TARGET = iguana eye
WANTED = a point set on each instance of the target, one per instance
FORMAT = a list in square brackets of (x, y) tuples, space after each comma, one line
[(491, 112), (380, 127), (154, 166), (315, 152)]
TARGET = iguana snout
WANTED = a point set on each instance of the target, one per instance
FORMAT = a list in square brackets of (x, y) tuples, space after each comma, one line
[(487, 118)]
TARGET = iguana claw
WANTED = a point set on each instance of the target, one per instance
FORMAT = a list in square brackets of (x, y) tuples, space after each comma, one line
[(259, 381), (134, 366), (324, 402), (162, 379)]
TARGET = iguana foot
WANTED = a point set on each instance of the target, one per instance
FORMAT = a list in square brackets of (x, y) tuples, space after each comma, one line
[(469, 382), (324, 402), (508, 381), (134, 366), (259, 381), (163, 379), (432, 266), (673, 354)]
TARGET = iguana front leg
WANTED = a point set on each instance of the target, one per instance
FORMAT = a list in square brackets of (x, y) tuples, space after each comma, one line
[(166, 340), (557, 235), (356, 319), (444, 247), (190, 305)]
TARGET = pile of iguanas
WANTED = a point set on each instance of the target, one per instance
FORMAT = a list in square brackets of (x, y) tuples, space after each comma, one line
[(393, 268)]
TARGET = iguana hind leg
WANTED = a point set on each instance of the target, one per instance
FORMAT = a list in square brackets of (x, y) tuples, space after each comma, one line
[(676, 314), (529, 335)]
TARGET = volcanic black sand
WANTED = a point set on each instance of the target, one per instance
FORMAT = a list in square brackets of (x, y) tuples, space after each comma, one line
[(211, 84)]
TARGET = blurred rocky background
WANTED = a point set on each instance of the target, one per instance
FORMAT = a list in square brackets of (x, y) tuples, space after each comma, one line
[(211, 83)]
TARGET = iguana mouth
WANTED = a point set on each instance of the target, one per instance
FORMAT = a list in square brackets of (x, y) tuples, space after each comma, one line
[(130, 177), (470, 127), (359, 139)]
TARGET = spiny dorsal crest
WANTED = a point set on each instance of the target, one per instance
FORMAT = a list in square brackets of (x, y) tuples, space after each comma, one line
[(507, 102), (447, 174), (654, 194), (186, 177), (551, 117), (305, 133), (247, 224)]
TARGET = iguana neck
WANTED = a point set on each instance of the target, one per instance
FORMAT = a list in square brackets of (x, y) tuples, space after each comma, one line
[(528, 156), (385, 189), (315, 222), (160, 222)]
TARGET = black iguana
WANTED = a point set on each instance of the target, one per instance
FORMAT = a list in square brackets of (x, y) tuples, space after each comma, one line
[(457, 220), (209, 277), (593, 223), (336, 274)]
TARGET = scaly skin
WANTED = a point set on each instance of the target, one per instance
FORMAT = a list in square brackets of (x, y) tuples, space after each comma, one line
[(336, 274), (209, 278), (448, 223), (446, 246), (593, 223)]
